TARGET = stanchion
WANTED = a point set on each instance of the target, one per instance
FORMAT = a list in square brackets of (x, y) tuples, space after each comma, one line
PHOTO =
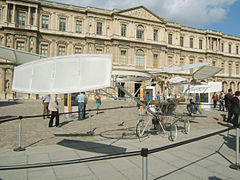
[(90, 132), (19, 148), (144, 154), (236, 166)]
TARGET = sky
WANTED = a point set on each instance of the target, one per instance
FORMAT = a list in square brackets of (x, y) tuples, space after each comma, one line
[(218, 15)]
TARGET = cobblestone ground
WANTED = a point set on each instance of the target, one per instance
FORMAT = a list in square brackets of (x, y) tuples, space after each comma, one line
[(106, 124)]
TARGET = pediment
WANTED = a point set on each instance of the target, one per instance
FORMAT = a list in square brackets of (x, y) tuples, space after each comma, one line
[(142, 13)]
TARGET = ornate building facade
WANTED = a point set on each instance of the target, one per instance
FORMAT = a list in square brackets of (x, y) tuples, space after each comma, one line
[(136, 37)]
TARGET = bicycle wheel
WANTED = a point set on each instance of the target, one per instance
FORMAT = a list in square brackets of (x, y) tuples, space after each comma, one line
[(173, 132), (186, 126), (140, 128)]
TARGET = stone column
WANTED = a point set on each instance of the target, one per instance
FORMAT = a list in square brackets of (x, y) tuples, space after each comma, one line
[(6, 13), (3, 79), (207, 42), (29, 16), (14, 14), (36, 17)]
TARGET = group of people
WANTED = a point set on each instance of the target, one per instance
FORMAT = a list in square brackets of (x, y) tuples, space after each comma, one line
[(193, 105), (220, 98), (50, 104)]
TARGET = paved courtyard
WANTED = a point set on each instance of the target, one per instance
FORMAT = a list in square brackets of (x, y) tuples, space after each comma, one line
[(205, 159)]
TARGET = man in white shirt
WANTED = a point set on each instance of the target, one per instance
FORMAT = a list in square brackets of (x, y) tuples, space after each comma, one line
[(81, 100), (45, 101)]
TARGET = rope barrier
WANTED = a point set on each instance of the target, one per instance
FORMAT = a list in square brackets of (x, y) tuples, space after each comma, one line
[(112, 156)]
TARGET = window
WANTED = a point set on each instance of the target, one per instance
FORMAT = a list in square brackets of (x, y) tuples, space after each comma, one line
[(169, 38), (21, 18), (181, 41), (44, 49), (170, 61), (191, 62), (229, 48), (222, 47), (237, 69), (20, 45), (155, 60), (123, 30), (213, 63), (181, 62), (140, 32), (79, 26), (45, 21), (140, 58), (61, 50), (191, 43), (123, 57), (237, 50), (99, 28), (99, 51), (200, 43), (155, 35), (222, 66), (230, 69), (78, 50), (62, 24)]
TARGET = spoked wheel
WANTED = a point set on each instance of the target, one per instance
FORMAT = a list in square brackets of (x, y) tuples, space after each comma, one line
[(186, 126), (173, 132), (140, 128)]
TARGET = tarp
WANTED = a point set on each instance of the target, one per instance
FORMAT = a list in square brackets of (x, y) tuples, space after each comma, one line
[(206, 72), (64, 74), (18, 57)]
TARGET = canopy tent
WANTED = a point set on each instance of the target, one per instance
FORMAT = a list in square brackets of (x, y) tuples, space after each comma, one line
[(18, 57), (64, 74), (206, 72)]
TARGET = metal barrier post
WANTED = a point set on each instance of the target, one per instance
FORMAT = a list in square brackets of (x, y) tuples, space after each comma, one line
[(19, 148), (90, 132), (236, 166), (144, 154)]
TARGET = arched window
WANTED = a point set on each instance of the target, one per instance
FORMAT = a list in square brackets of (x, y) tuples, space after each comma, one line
[(140, 32), (140, 58)]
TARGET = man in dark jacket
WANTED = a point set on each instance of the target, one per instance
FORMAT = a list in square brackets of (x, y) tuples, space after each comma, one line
[(236, 108), (228, 101)]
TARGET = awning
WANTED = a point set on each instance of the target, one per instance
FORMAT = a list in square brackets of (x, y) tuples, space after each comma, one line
[(206, 72)]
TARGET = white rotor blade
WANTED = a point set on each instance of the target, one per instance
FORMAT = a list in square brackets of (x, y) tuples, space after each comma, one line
[(179, 68)]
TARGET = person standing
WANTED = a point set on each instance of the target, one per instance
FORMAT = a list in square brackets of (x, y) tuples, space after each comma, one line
[(45, 102), (215, 99), (98, 102), (236, 108), (85, 104), (80, 99), (228, 101), (53, 107), (197, 104), (158, 96), (190, 105), (221, 98)]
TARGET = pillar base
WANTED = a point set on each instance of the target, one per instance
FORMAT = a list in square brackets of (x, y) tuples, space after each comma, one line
[(235, 166), (19, 149)]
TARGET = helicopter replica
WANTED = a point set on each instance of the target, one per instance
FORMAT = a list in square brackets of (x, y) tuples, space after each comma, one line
[(162, 112)]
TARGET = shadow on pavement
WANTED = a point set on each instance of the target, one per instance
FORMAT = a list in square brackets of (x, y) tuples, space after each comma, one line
[(6, 117), (8, 103), (92, 146)]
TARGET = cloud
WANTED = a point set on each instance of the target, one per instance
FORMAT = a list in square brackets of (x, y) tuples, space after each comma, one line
[(196, 13)]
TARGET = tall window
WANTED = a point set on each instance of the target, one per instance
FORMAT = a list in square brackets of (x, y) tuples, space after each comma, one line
[(191, 62), (200, 43), (181, 62), (191, 42), (140, 58), (44, 50), (123, 30), (155, 35), (155, 60), (123, 57), (237, 50), (61, 50), (229, 48), (79, 26), (140, 32), (213, 63), (99, 28), (45, 21), (230, 69), (78, 50), (222, 47), (237, 69), (222, 66), (181, 41), (20, 45), (62, 24), (21, 18), (169, 38)]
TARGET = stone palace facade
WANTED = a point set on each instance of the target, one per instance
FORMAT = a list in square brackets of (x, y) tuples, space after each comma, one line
[(136, 37)]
